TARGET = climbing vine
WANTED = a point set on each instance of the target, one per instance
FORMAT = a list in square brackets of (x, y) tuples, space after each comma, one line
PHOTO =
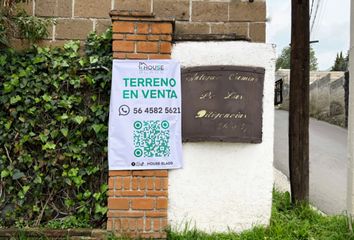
[(53, 133)]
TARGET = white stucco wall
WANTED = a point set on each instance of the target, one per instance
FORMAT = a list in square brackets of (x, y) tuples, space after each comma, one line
[(225, 186)]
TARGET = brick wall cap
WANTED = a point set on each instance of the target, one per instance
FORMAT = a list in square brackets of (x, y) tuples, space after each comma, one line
[(210, 37), (118, 15), (125, 13)]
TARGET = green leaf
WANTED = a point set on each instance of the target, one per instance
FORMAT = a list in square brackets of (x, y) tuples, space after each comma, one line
[(104, 188), (97, 127), (38, 59), (5, 173), (64, 117), (64, 131), (97, 196), (8, 125), (47, 98), (49, 145), (2, 60), (8, 87), (38, 180), (43, 137), (93, 59), (87, 194), (17, 175), (79, 119), (15, 99), (100, 209)]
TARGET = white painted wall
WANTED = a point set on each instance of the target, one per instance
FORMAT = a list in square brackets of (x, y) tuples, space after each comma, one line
[(350, 185), (225, 185)]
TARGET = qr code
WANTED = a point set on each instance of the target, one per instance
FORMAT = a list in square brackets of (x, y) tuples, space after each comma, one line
[(151, 138)]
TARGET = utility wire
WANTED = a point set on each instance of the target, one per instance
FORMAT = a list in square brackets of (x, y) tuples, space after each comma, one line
[(312, 3), (314, 18), (320, 15)]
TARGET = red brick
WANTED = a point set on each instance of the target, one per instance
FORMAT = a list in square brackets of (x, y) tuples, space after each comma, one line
[(111, 183), (131, 214), (143, 203), (147, 47), (156, 224), (124, 224), (119, 55), (142, 183), (118, 203), (164, 28), (154, 214), (154, 38), (147, 224), (164, 183), (159, 56), (161, 203), (116, 225), (142, 28), (118, 180), (110, 193), (158, 184), (150, 183), (137, 56), (140, 224), (119, 173), (149, 173), (136, 37), (134, 179), (166, 38), (123, 27), (137, 193), (117, 36), (156, 193), (109, 224), (126, 183), (132, 224), (165, 47), (123, 46)]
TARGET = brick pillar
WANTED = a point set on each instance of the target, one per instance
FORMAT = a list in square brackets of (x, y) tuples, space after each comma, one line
[(138, 200)]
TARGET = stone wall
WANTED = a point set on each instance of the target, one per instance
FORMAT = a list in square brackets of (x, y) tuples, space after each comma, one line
[(76, 18), (327, 96)]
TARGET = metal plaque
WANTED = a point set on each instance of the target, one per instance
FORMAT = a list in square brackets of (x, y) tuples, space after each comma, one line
[(222, 103)]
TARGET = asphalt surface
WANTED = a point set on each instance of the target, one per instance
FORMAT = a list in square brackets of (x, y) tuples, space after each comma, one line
[(328, 162)]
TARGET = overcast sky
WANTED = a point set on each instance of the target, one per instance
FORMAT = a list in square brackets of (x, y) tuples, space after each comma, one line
[(331, 28)]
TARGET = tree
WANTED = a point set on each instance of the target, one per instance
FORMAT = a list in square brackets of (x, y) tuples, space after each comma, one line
[(341, 63), (283, 60)]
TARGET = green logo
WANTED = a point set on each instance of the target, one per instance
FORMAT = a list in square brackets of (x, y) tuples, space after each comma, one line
[(138, 125), (138, 152)]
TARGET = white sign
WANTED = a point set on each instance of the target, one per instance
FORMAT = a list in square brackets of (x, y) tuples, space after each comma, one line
[(145, 115)]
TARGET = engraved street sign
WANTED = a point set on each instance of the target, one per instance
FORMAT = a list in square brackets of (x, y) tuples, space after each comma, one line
[(222, 103)]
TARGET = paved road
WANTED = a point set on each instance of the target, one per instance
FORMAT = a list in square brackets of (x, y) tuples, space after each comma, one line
[(328, 161)]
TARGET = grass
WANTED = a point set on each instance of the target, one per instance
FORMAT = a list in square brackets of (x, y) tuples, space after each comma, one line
[(287, 223)]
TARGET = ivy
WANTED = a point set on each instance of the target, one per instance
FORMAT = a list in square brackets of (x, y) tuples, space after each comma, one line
[(53, 133)]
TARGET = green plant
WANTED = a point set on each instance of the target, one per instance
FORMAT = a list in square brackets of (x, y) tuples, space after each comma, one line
[(68, 222), (15, 22), (53, 133)]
